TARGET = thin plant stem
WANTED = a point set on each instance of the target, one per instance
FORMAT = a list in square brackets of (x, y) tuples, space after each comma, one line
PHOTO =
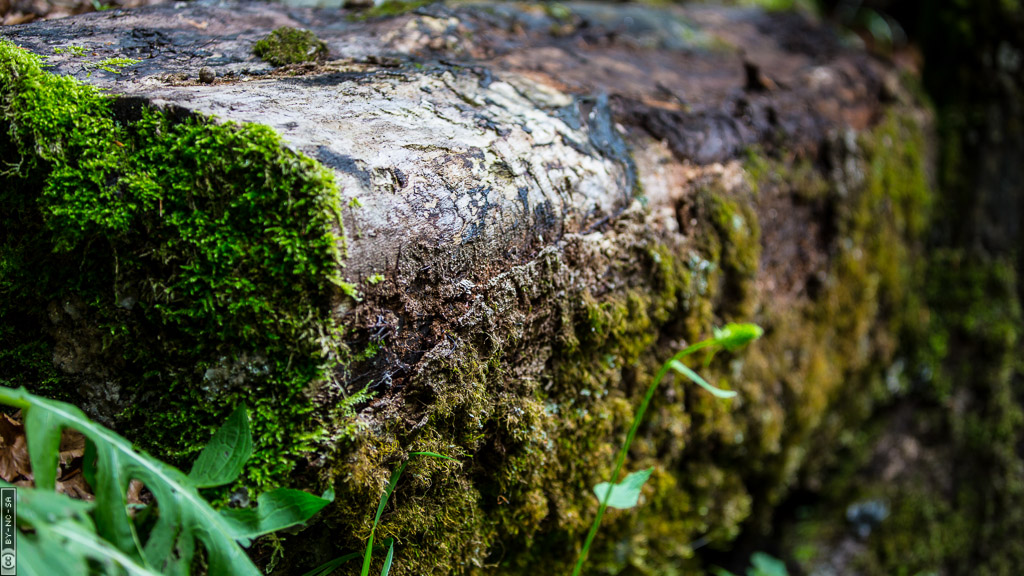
[(620, 460), (368, 554)]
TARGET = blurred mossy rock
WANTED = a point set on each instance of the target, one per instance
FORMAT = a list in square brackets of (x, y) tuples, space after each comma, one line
[(472, 229)]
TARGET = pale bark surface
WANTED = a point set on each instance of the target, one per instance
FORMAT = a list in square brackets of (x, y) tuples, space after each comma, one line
[(502, 137)]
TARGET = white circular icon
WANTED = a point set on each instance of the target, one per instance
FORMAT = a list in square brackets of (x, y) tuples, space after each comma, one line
[(7, 560)]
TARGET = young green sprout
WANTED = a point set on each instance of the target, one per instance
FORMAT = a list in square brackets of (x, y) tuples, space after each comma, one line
[(330, 566), (367, 555), (626, 494), (735, 336)]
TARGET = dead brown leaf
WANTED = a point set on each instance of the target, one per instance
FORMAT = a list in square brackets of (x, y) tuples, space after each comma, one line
[(135, 492), (17, 18), (72, 445), (194, 23), (16, 468), (75, 486), (14, 462)]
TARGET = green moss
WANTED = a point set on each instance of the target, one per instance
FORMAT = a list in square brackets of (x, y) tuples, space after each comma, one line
[(847, 336), (718, 466), (594, 389), (287, 45), (798, 176), (391, 8), (981, 314), (736, 246), (114, 65), (183, 263), (965, 424)]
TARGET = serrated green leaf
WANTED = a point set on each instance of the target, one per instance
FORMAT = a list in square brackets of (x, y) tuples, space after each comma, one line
[(625, 494), (61, 523), (223, 459), (97, 549), (185, 517), (282, 508), (35, 506), (685, 371)]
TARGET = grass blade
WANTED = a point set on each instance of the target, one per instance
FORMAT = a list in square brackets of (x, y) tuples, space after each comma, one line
[(384, 502), (390, 557), (434, 455), (380, 511)]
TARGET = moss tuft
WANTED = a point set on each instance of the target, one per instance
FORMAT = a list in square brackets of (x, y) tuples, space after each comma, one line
[(392, 8), (288, 45)]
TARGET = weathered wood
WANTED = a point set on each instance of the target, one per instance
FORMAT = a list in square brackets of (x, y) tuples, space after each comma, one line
[(445, 153), (555, 200)]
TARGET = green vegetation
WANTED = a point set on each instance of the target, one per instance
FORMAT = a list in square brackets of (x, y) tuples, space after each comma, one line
[(810, 6), (330, 566), (146, 541), (392, 484), (73, 50), (968, 419), (391, 8), (761, 564), (186, 264), (957, 320), (625, 494), (287, 45), (112, 65)]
